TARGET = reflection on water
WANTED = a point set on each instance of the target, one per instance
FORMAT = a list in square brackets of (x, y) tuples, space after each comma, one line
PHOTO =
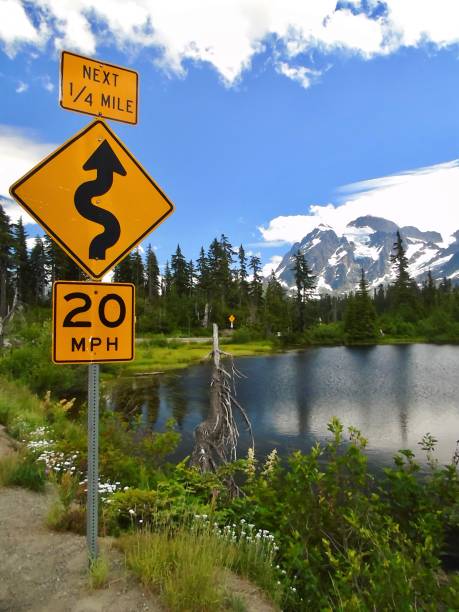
[(393, 394)]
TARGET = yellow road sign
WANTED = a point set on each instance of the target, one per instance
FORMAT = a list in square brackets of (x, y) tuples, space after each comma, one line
[(231, 318), (97, 88), (93, 322), (93, 198)]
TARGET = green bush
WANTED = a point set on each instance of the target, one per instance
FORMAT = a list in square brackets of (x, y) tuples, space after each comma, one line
[(327, 333), (347, 541), (242, 335)]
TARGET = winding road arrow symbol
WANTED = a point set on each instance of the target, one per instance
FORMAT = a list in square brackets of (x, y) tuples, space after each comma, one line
[(106, 163)]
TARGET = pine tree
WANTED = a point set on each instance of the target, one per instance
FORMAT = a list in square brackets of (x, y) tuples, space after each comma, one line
[(275, 304), (6, 241), (38, 263), (305, 285), (202, 274), (180, 273), (191, 277), (152, 275), (360, 318), (138, 273), (256, 284), (429, 292), (124, 271), (242, 277), (167, 280), (202, 288), (220, 259), (403, 288), (21, 264), (59, 265)]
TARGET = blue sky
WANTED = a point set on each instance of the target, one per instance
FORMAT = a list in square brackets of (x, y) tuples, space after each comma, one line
[(257, 118)]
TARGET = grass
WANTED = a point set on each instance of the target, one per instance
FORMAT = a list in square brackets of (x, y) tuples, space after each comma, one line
[(150, 358), (98, 572), (19, 408), (22, 471), (187, 566)]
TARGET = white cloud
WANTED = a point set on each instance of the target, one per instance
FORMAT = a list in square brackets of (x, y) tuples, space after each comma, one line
[(17, 29), (303, 75), (272, 265), (21, 87), (417, 21), (427, 198), (228, 33), (19, 152)]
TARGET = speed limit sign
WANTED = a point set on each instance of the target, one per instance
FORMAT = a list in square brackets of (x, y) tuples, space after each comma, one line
[(93, 322)]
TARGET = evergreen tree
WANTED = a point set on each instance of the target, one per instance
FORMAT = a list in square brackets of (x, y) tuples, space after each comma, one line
[(256, 284), (429, 292), (242, 277), (180, 273), (167, 280), (152, 275), (403, 288), (305, 285), (191, 277), (21, 264), (138, 272), (360, 319), (202, 274), (220, 259), (276, 306), (380, 301), (124, 271), (6, 241), (59, 265), (445, 285), (38, 264)]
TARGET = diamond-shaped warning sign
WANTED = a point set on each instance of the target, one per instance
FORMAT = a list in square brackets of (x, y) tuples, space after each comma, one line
[(93, 198)]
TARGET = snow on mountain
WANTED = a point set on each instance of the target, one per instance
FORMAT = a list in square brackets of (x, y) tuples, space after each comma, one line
[(367, 242)]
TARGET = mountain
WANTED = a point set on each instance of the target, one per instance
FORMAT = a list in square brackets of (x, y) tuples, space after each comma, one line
[(367, 243)]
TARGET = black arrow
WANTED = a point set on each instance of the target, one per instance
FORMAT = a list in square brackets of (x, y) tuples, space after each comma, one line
[(106, 163)]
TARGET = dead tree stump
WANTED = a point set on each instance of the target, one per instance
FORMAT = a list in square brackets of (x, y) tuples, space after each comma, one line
[(216, 437)]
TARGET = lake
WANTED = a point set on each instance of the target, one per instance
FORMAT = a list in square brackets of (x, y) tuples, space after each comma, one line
[(393, 394)]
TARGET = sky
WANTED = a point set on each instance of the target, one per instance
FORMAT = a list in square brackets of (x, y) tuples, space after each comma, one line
[(259, 119)]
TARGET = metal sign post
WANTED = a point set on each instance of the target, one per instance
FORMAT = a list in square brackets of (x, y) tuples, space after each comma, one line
[(92, 512)]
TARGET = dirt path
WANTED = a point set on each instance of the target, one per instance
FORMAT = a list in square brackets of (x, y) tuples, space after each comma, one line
[(43, 571)]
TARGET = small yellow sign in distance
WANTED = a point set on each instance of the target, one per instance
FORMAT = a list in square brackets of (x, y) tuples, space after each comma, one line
[(93, 198), (231, 318), (97, 88), (93, 322)]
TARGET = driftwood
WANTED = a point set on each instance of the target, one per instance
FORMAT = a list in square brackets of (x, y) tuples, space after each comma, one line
[(216, 437)]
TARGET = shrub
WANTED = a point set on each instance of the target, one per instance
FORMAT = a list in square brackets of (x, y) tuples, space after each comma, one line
[(327, 333), (347, 541)]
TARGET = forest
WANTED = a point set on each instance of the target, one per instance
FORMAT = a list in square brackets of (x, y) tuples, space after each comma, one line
[(189, 295)]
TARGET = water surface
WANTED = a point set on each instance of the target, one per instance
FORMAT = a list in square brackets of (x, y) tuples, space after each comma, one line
[(393, 394)]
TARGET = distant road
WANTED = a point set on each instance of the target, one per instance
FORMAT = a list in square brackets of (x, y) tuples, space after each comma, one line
[(199, 340)]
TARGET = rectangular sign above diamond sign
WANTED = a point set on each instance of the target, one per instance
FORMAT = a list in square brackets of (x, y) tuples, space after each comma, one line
[(96, 88), (93, 322), (93, 198)]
